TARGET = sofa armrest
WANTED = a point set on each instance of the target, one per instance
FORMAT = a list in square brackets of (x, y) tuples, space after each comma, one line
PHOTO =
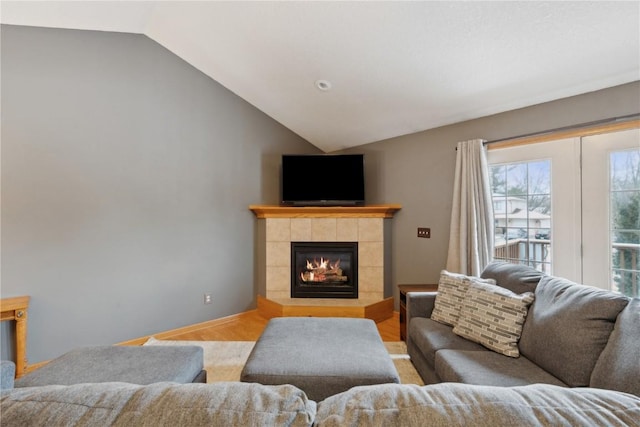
[(7, 374), (420, 304)]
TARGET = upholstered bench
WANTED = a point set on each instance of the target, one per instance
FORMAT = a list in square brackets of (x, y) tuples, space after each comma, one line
[(322, 356), (130, 364)]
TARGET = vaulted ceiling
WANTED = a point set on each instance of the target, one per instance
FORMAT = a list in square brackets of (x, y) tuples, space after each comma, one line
[(391, 67)]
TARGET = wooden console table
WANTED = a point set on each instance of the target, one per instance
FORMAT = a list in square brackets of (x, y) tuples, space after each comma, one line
[(16, 309), (403, 303)]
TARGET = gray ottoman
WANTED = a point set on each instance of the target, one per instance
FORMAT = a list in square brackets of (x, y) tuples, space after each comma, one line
[(322, 356), (137, 365)]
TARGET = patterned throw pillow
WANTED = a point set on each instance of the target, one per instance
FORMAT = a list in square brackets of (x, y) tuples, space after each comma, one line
[(452, 289), (493, 316)]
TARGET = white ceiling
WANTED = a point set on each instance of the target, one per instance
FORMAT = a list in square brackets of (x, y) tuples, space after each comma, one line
[(395, 67)]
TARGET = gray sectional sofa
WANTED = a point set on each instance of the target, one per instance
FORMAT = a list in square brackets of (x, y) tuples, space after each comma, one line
[(250, 404), (572, 336)]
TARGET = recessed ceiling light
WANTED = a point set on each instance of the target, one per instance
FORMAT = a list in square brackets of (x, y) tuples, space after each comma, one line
[(323, 85)]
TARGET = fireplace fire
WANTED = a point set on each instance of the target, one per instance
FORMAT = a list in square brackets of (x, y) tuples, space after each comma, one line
[(324, 270)]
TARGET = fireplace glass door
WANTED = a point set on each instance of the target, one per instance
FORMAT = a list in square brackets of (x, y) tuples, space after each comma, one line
[(324, 270)]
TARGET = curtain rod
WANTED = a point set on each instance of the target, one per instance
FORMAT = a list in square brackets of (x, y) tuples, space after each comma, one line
[(577, 126)]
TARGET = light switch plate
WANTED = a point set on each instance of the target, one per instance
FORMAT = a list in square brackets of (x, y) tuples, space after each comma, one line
[(424, 232)]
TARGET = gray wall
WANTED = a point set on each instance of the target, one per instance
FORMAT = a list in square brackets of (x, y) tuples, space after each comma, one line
[(126, 180), (417, 171)]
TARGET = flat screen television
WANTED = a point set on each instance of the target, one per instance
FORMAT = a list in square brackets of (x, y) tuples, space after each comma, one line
[(323, 180)]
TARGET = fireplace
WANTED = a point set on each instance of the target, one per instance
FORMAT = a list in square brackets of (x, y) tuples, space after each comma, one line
[(324, 269)]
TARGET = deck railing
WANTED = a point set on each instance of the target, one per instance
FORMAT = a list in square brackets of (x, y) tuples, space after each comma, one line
[(625, 276), (626, 273), (533, 252)]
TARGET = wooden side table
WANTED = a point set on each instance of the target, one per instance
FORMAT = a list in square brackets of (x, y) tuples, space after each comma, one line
[(16, 309), (403, 303)]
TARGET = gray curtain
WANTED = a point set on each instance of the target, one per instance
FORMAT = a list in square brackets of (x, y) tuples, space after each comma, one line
[(471, 231)]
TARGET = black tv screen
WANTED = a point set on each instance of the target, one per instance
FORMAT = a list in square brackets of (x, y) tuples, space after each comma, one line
[(323, 180)]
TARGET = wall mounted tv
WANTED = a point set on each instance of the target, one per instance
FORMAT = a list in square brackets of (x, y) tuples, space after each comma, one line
[(323, 180)]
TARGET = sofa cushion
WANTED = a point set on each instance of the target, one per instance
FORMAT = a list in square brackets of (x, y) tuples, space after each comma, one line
[(451, 404), (426, 370), (452, 288), (490, 368), (430, 336), (517, 278), (493, 316), (618, 367), (160, 404), (567, 328)]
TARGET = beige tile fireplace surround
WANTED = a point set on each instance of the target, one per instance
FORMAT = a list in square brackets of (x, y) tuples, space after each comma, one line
[(279, 226)]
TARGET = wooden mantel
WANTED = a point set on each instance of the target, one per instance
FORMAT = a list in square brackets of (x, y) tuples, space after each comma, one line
[(367, 211)]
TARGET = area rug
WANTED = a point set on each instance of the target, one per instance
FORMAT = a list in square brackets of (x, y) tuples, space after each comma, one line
[(224, 360)]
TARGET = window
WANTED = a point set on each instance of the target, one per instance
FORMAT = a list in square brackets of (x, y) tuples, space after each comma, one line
[(610, 204), (571, 208), (521, 194), (624, 214)]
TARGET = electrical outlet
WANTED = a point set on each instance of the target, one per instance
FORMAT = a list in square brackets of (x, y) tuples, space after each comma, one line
[(208, 299), (424, 232)]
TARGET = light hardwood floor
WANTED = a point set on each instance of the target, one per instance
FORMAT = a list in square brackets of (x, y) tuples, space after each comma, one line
[(249, 325), (245, 326)]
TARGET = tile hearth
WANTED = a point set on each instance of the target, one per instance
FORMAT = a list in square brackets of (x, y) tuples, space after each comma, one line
[(321, 307)]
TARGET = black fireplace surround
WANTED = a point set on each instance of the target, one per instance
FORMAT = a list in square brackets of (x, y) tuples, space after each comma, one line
[(324, 269)]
